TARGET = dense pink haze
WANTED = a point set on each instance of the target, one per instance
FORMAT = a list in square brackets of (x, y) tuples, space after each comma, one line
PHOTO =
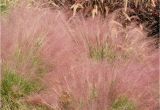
[(71, 48)]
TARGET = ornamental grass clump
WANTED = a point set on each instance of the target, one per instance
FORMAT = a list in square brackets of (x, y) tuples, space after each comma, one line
[(92, 64)]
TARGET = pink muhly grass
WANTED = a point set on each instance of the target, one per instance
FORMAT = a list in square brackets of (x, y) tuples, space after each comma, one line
[(93, 61), (23, 39)]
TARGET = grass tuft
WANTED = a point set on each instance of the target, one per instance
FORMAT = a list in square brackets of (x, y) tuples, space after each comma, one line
[(14, 88), (123, 103), (5, 5), (66, 101)]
